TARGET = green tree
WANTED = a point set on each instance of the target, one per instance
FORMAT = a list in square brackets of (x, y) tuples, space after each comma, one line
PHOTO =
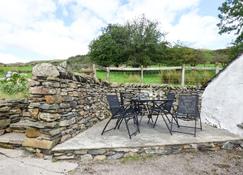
[(111, 47), (231, 20), (135, 43), (145, 42), (179, 55)]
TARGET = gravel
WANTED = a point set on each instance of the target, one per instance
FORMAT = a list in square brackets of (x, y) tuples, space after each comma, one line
[(202, 163)]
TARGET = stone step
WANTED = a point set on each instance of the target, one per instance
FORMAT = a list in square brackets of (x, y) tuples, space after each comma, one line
[(118, 153), (11, 140)]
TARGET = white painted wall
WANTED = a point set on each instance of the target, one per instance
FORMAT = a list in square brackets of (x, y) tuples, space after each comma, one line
[(222, 100)]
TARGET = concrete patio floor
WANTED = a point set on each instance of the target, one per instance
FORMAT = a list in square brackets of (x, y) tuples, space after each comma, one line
[(148, 136)]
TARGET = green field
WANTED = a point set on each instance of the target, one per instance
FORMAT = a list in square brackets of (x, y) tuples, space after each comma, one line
[(156, 77), (20, 69), (126, 77)]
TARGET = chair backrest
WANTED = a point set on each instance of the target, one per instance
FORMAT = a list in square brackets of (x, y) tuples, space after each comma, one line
[(126, 97), (142, 95), (114, 103), (188, 105), (168, 105)]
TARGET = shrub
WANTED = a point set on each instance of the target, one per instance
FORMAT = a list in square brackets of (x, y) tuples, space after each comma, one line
[(17, 83)]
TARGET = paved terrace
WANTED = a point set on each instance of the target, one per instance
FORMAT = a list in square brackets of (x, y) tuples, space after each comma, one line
[(149, 136)]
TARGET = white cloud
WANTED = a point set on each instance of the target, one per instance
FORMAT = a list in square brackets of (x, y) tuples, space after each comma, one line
[(36, 27), (9, 58), (198, 31)]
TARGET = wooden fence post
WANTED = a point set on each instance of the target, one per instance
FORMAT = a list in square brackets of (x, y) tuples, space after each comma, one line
[(183, 75), (94, 71), (142, 74), (108, 74)]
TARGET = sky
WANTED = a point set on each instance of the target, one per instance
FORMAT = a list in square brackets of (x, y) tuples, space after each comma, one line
[(57, 29)]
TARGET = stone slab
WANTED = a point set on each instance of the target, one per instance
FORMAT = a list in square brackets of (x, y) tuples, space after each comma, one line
[(37, 143), (149, 136), (16, 162), (12, 138)]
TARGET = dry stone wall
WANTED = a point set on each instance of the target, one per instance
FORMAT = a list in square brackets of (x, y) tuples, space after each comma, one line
[(61, 105), (160, 90), (11, 111)]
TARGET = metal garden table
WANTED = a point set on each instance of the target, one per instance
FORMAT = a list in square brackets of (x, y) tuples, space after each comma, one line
[(151, 106)]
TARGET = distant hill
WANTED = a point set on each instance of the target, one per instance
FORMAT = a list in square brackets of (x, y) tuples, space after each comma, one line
[(75, 63), (32, 63)]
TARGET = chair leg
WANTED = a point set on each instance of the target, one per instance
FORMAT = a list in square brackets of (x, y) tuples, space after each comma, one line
[(195, 128), (106, 126), (171, 124), (148, 119), (128, 128), (119, 124), (156, 120), (176, 120), (167, 125), (136, 118), (200, 123)]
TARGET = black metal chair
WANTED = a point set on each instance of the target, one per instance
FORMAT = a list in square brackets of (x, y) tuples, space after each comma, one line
[(164, 108), (187, 110), (119, 113), (126, 97)]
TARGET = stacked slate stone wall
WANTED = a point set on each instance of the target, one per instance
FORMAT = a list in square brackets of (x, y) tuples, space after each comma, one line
[(11, 111), (159, 90), (61, 105)]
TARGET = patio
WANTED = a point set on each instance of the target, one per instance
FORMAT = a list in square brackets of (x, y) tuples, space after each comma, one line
[(149, 138)]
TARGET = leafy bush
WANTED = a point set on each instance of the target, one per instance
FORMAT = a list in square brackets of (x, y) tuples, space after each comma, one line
[(17, 83)]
